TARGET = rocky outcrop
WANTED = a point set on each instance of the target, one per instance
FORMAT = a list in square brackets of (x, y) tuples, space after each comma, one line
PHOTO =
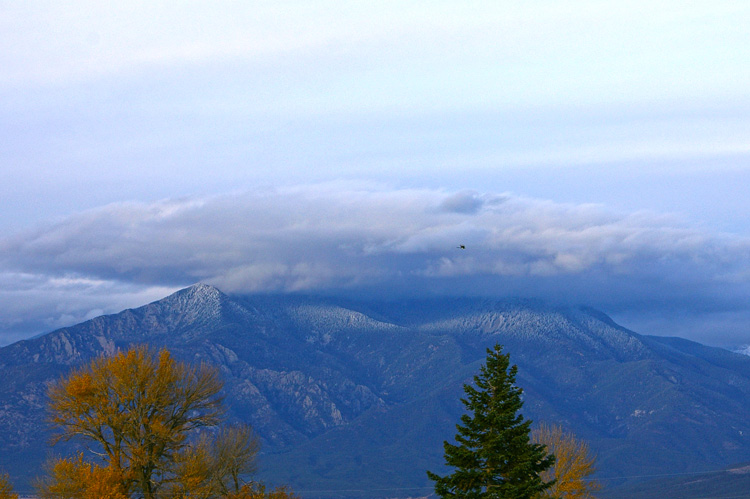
[(346, 394)]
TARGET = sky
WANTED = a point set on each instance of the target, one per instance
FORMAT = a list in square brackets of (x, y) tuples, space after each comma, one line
[(585, 152)]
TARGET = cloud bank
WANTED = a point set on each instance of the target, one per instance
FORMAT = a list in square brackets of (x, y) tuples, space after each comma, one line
[(364, 239)]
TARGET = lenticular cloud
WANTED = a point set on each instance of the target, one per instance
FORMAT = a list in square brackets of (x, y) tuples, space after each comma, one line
[(352, 238)]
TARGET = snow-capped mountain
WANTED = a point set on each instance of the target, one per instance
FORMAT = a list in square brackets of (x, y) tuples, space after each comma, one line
[(357, 394)]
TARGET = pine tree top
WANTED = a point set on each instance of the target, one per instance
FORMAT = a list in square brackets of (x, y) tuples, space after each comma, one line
[(493, 456)]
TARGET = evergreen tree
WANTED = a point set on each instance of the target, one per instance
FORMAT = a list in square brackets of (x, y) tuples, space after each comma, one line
[(495, 457)]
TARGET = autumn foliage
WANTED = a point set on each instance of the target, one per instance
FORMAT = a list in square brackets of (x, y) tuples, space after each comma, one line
[(152, 422), (258, 491), (574, 464), (213, 467), (74, 478), (6, 489)]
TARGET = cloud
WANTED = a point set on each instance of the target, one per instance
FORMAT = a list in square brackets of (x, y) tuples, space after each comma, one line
[(34, 303), (368, 239), (468, 202), (400, 52)]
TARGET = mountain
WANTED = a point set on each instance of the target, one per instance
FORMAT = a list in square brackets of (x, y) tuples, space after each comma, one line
[(732, 482), (354, 398)]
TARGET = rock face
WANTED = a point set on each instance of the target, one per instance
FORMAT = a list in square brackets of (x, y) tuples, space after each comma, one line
[(360, 395)]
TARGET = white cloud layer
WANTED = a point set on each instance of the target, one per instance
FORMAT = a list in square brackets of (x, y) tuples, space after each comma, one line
[(507, 50), (366, 239), (640, 105)]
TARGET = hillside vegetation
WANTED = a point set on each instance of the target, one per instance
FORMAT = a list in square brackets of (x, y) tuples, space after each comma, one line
[(359, 396)]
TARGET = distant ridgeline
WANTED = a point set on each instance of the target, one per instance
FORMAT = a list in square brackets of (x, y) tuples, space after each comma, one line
[(358, 397)]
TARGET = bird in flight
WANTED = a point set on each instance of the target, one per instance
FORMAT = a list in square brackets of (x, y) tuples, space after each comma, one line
[(462, 246)]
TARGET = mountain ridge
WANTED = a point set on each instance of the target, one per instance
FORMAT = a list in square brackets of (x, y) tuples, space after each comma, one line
[(325, 380)]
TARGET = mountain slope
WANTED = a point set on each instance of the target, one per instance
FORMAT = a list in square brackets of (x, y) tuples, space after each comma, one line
[(730, 483), (360, 395)]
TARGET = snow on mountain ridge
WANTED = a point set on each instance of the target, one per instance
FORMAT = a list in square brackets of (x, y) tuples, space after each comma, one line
[(384, 385), (545, 326), (325, 321)]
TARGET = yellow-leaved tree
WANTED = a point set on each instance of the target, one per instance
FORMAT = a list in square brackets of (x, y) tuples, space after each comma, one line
[(574, 464), (6, 489), (143, 411), (75, 478), (213, 467)]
